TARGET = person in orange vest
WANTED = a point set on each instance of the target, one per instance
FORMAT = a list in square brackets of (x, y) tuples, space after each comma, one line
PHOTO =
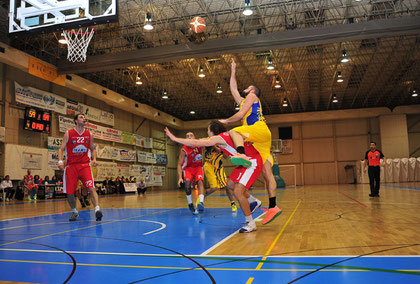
[(373, 159)]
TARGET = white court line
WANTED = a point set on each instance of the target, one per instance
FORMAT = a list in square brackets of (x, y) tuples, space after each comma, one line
[(163, 225), (225, 239), (204, 256), (32, 217)]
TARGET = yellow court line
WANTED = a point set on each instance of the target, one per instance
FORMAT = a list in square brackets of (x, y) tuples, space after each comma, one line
[(105, 223), (191, 268), (250, 280), (277, 237)]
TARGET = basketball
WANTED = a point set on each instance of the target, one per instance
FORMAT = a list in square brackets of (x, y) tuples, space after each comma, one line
[(197, 25)]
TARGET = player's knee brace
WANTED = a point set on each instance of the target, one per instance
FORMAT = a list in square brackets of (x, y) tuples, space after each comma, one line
[(187, 185)]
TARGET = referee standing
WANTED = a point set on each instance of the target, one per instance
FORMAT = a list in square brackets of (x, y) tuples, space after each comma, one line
[(373, 158)]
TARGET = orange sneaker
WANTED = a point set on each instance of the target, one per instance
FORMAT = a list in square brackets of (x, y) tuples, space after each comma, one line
[(240, 160), (272, 213)]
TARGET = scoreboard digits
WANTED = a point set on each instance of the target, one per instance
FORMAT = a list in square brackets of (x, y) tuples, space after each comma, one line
[(37, 120)]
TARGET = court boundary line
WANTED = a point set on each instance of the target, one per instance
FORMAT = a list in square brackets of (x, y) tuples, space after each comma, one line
[(401, 187), (361, 269), (206, 252), (360, 203), (204, 256)]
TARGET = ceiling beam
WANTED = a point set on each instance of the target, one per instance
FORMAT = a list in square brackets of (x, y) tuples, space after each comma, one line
[(276, 40)]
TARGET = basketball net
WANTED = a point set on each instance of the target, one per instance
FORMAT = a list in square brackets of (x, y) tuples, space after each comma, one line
[(77, 43)]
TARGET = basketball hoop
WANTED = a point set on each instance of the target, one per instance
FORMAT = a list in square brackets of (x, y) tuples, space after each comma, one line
[(77, 43)]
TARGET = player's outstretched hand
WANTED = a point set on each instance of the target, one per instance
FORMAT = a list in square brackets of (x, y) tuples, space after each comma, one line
[(233, 65), (169, 134)]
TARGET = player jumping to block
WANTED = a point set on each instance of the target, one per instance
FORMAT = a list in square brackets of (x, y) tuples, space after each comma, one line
[(241, 178), (255, 130)]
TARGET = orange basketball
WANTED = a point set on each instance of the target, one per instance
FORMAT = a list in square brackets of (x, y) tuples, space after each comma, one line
[(197, 25)]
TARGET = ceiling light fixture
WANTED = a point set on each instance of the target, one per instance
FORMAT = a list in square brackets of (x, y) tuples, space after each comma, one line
[(192, 112), (237, 107), (201, 73), (165, 95), (285, 104), (344, 57), (277, 85), (148, 22), (339, 77), (138, 80), (247, 11), (62, 39), (270, 64), (414, 93), (219, 89), (334, 98)]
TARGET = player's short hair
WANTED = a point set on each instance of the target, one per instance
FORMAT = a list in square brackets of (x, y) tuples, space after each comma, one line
[(256, 90), (372, 142), (217, 127), (76, 117)]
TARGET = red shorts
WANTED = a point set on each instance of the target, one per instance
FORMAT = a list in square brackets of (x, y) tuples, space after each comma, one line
[(247, 176), (74, 172), (31, 185), (195, 173)]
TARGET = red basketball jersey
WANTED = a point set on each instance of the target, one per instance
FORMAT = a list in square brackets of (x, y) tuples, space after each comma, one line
[(229, 149), (193, 157), (77, 147), (29, 179)]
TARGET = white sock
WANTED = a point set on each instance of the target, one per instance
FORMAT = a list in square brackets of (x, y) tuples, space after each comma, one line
[(74, 210), (201, 197), (251, 199), (249, 219), (97, 208), (189, 199)]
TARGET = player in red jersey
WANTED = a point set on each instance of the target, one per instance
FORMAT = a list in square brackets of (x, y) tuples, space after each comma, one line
[(241, 178), (190, 165), (77, 143), (30, 186)]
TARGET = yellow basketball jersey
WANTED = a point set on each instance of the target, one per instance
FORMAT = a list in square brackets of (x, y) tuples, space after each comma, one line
[(254, 114)]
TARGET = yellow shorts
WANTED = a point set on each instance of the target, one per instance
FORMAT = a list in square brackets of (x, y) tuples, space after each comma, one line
[(260, 135), (215, 176)]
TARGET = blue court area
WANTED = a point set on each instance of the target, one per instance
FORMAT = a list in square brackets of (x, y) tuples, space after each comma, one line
[(167, 246)]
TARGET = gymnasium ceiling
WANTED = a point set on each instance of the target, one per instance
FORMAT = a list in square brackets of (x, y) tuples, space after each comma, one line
[(303, 38)]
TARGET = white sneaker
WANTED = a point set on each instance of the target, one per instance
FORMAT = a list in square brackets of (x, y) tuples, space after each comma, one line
[(255, 205), (248, 228)]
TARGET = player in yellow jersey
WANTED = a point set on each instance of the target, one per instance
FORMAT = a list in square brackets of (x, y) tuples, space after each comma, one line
[(215, 173), (254, 129), (82, 194)]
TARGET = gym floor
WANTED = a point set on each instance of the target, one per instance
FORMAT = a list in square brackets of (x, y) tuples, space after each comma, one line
[(333, 233)]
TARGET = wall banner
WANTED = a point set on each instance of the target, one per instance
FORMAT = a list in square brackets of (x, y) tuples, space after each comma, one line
[(161, 159), (54, 143), (32, 161), (41, 99)]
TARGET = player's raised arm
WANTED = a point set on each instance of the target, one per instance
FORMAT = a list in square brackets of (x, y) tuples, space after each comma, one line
[(234, 85)]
